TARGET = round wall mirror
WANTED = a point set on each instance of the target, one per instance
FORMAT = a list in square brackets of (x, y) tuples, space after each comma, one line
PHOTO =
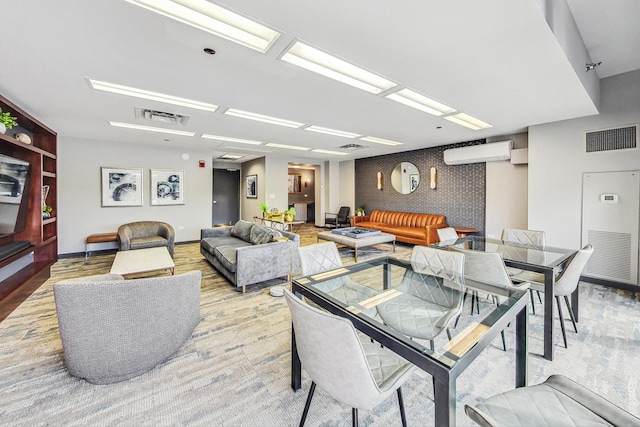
[(405, 177)]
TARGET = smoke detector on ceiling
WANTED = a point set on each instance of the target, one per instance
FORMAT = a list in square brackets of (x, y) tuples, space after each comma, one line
[(161, 116)]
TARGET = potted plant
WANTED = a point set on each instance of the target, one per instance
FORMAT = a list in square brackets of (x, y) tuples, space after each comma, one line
[(290, 214), (264, 208), (46, 211), (360, 210), (7, 121)]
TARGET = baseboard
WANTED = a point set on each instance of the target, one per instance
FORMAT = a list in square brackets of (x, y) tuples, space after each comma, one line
[(611, 284)]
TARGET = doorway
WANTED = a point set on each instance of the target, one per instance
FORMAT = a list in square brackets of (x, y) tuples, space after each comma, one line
[(226, 196)]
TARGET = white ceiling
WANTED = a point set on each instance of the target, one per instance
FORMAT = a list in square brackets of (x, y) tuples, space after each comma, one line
[(496, 60)]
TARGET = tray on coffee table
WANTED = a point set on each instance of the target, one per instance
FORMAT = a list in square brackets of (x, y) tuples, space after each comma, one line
[(356, 232)]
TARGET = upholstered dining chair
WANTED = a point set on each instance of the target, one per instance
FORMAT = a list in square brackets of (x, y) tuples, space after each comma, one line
[(431, 294), (447, 234), (525, 238), (333, 220), (557, 402), (348, 366), (486, 268), (321, 257), (566, 283)]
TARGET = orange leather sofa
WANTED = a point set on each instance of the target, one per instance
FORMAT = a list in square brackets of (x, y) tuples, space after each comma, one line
[(408, 227)]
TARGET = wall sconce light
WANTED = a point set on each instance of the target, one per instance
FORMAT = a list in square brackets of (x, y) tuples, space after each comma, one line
[(434, 176), (379, 180), (306, 183)]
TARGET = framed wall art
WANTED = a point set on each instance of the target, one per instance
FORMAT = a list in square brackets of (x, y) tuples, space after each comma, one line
[(167, 187), (121, 187), (252, 186)]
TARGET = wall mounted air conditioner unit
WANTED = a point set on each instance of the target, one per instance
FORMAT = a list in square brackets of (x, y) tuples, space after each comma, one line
[(491, 152)]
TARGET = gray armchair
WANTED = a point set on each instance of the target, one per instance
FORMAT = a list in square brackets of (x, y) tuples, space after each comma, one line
[(146, 234), (113, 330)]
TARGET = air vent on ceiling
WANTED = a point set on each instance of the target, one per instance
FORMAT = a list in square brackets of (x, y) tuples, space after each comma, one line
[(612, 139), (353, 147), (161, 116)]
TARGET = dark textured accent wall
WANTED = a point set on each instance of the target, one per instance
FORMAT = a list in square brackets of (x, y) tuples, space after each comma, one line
[(460, 193)]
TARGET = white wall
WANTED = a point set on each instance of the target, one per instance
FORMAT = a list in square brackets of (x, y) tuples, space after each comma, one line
[(557, 160), (506, 191), (250, 207), (347, 196), (79, 198)]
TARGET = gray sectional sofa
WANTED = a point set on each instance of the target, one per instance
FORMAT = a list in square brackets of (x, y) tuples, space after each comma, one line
[(246, 252)]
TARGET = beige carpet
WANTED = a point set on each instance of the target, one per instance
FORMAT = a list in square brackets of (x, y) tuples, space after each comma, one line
[(235, 370)]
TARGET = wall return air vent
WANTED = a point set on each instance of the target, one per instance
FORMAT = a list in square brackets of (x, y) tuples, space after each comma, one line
[(612, 139), (161, 116)]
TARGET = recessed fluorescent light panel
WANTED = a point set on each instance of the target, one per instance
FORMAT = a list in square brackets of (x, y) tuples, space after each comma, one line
[(260, 118), (231, 156), (333, 132), (288, 147), (468, 121), (214, 19), (320, 62), (229, 139), (339, 153), (380, 140), (420, 102), (153, 96), (151, 129)]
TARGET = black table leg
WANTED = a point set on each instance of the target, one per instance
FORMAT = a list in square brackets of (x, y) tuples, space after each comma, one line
[(522, 347), (549, 280), (296, 366), (445, 401), (574, 302)]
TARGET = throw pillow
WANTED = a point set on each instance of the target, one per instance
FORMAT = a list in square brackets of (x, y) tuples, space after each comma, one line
[(242, 230), (261, 234)]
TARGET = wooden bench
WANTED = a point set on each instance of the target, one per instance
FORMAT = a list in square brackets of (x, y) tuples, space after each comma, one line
[(99, 238)]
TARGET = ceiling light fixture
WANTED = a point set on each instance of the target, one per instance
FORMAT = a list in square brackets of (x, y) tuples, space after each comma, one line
[(231, 156), (333, 132), (214, 19), (229, 139), (339, 153), (288, 147), (468, 121), (591, 66), (261, 118), (320, 62), (380, 140), (413, 99), (153, 96), (151, 129)]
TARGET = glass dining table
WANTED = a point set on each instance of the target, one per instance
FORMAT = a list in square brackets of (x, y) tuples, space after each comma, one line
[(548, 261), (371, 295)]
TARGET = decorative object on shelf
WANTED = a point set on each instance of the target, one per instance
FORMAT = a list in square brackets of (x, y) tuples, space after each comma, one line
[(167, 187), (7, 121), (360, 210), (433, 176), (121, 187), (23, 137), (273, 213), (379, 180), (45, 193), (264, 208), (46, 212), (290, 214), (252, 186)]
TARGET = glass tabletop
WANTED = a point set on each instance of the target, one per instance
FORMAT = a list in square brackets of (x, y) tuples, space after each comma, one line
[(412, 305), (545, 256)]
